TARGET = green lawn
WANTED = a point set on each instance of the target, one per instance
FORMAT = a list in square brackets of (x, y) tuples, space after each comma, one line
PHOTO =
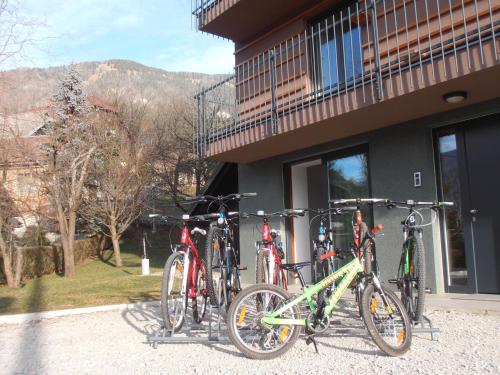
[(96, 283)]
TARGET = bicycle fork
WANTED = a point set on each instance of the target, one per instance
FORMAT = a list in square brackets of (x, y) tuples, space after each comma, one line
[(185, 274), (378, 287)]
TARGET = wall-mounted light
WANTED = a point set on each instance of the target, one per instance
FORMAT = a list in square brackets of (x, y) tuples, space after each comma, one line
[(455, 97)]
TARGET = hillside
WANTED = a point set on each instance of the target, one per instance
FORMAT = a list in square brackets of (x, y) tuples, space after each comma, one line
[(22, 89)]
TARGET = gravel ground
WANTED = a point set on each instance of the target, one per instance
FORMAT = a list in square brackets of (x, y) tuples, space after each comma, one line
[(115, 343)]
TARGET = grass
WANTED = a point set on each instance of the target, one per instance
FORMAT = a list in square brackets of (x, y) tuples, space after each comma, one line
[(96, 283)]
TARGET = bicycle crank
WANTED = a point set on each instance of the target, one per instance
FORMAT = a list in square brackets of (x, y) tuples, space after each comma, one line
[(316, 325)]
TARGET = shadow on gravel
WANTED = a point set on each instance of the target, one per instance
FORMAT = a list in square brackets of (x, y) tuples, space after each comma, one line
[(145, 319), (30, 354)]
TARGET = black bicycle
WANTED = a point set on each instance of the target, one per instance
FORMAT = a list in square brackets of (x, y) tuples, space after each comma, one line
[(324, 251), (411, 271), (221, 249)]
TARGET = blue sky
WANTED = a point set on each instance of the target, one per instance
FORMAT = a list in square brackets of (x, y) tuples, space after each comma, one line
[(152, 32)]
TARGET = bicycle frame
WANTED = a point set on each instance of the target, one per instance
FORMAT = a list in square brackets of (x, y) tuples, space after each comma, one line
[(189, 281), (347, 273), (273, 257)]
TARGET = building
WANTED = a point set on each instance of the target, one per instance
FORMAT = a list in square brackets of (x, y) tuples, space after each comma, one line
[(394, 99), (21, 157)]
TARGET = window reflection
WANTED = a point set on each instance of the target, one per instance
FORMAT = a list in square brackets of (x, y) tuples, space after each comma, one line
[(450, 185), (336, 52), (348, 178)]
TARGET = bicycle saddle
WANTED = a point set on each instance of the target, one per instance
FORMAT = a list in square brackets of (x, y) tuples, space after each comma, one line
[(295, 266)]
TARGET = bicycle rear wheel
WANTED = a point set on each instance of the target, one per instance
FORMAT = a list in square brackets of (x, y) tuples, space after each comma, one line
[(254, 339), (388, 324), (173, 298)]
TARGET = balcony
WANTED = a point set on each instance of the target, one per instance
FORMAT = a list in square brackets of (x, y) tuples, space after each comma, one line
[(241, 20), (366, 66)]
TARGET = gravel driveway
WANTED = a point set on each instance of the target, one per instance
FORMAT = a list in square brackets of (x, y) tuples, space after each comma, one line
[(115, 343)]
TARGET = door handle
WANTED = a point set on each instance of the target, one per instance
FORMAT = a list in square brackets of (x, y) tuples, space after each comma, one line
[(474, 211)]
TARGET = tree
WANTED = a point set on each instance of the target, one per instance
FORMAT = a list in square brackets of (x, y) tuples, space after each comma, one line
[(16, 32), (119, 177), (11, 254), (179, 172), (68, 151)]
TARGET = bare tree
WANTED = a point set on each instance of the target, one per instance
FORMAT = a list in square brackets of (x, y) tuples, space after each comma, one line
[(179, 173), (119, 177), (16, 31), (68, 153), (11, 254)]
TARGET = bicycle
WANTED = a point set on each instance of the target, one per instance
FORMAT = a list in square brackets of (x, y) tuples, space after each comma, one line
[(363, 244), (269, 267), (411, 271), (184, 277), (264, 320), (324, 253), (221, 252)]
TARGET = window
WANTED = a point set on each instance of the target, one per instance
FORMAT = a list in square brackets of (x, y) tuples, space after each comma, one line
[(450, 186), (25, 184), (336, 56), (348, 178)]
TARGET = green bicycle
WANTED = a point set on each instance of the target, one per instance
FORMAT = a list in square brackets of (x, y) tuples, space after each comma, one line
[(264, 321)]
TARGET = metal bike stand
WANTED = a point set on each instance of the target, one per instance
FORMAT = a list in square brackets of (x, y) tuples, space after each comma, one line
[(356, 326), (420, 327), (205, 333)]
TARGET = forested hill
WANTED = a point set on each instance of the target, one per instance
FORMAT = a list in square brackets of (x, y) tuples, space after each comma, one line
[(22, 89)]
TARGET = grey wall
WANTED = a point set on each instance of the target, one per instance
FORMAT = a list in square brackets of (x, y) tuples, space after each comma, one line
[(394, 154)]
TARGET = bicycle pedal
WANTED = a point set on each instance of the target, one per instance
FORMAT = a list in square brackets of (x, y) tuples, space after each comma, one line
[(242, 268), (393, 281)]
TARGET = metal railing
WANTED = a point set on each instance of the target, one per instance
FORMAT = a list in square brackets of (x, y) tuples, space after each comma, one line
[(204, 11), (371, 49)]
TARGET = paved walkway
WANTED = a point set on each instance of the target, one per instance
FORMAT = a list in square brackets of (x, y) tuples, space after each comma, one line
[(114, 342)]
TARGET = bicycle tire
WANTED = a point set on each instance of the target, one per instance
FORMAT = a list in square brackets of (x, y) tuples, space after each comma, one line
[(260, 270), (233, 332), (213, 293), (368, 317), (199, 310), (166, 281), (417, 274)]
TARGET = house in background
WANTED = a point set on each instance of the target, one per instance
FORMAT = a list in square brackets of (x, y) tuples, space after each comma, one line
[(393, 99), (21, 136)]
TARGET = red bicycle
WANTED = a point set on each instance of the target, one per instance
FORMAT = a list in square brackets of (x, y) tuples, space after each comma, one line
[(269, 267), (184, 277)]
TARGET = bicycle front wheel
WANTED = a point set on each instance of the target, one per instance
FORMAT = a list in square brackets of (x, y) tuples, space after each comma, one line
[(386, 320), (214, 264), (199, 303), (414, 280), (261, 276), (173, 297), (253, 338)]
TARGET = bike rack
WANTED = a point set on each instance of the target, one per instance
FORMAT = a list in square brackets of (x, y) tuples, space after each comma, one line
[(209, 333), (423, 329), (356, 326)]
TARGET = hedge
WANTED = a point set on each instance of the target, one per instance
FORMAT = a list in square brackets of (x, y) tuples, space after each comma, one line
[(45, 260)]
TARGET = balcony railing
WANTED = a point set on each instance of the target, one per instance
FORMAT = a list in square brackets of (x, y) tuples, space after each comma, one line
[(365, 53), (204, 11)]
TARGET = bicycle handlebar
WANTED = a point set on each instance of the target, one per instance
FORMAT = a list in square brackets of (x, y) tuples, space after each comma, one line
[(334, 210), (286, 212), (411, 203), (359, 200), (220, 198)]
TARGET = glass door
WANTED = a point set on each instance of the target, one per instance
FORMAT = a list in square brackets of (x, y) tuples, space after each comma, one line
[(348, 177)]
